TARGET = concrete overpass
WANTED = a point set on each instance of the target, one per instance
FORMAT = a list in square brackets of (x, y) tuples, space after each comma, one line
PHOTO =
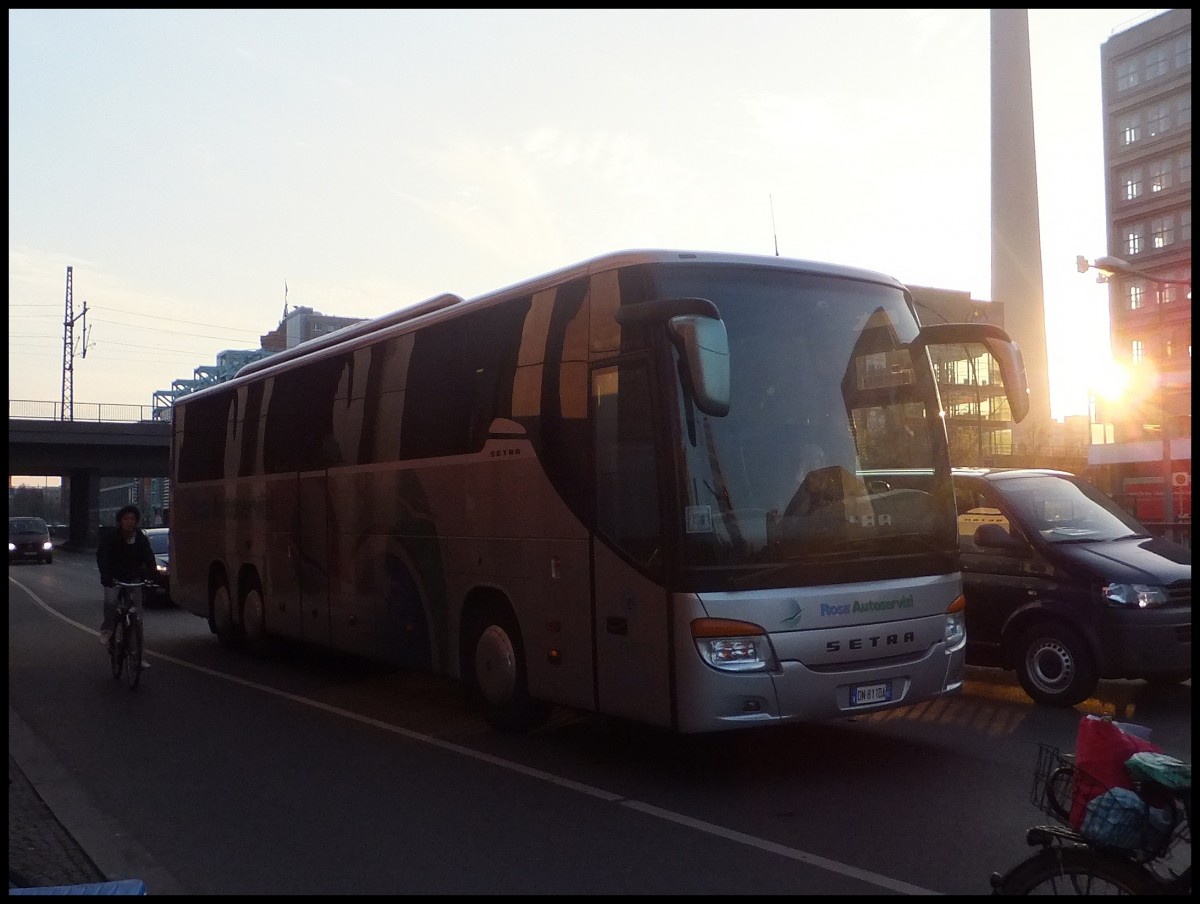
[(81, 452)]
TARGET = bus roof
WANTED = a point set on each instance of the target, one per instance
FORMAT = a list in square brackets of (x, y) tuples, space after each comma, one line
[(632, 257), (608, 261)]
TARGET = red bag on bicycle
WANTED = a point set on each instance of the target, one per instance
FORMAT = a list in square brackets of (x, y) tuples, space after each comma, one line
[(1101, 749)]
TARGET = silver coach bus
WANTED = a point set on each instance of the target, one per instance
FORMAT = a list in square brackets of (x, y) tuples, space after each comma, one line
[(696, 490)]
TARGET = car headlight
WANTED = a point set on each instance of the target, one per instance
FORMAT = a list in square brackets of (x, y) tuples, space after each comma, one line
[(12, 547), (162, 569), (733, 646), (1135, 596), (47, 546)]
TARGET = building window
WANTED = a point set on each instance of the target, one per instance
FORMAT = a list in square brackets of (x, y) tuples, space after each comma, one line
[(1136, 351), (1136, 296), (1160, 176), (1168, 294), (1129, 129), (1156, 62), (1185, 166), (1169, 348), (1183, 51), (1185, 226), (1183, 110), (1127, 75), (1158, 119), (1162, 232), (1133, 240), (1131, 183)]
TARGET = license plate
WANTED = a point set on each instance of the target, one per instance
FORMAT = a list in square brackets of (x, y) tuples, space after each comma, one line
[(862, 694)]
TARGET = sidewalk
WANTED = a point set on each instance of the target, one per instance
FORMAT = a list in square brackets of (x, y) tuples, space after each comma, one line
[(58, 837), (40, 851)]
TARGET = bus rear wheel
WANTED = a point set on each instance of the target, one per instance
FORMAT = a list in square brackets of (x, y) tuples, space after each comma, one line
[(254, 622), (222, 620), (496, 675)]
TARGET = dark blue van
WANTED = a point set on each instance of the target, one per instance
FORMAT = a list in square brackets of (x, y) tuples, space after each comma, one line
[(1065, 587)]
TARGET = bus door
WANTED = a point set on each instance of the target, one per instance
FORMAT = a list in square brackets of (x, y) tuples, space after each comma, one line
[(631, 625), (311, 551), (281, 590)]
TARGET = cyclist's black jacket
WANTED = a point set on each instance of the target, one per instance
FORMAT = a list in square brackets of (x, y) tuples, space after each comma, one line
[(121, 561)]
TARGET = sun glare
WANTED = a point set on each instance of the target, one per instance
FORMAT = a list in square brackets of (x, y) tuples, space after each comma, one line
[(1110, 381)]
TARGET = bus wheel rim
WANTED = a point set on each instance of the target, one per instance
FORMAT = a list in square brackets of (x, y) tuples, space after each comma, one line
[(495, 665), (222, 610)]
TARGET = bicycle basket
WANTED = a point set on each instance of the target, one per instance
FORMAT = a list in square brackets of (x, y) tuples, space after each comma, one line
[(1053, 778)]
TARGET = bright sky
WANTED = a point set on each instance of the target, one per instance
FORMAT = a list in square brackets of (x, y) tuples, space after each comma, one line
[(188, 163)]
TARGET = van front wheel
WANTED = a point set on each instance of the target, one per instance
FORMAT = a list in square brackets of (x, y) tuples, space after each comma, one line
[(1055, 666)]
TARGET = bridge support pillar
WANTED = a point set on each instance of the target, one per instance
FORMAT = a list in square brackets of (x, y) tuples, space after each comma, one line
[(84, 496)]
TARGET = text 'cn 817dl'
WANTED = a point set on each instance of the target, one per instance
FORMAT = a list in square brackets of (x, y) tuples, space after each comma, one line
[(695, 490)]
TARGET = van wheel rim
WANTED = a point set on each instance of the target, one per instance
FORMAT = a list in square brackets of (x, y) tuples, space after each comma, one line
[(1050, 665)]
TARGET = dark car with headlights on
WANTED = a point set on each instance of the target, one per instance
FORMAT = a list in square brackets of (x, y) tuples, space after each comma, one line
[(1066, 587), (29, 540), (160, 543)]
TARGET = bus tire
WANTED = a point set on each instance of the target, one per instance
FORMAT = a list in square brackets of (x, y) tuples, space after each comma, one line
[(222, 621), (1055, 666), (253, 622), (494, 666)]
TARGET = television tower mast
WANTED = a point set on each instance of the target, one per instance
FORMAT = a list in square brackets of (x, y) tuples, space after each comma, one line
[(67, 409)]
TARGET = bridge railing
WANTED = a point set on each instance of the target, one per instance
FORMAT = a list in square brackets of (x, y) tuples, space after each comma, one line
[(86, 411)]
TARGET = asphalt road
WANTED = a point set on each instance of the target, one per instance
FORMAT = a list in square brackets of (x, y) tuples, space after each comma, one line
[(308, 774)]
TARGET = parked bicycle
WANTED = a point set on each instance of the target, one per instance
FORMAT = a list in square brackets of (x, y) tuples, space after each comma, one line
[(125, 644), (1125, 841)]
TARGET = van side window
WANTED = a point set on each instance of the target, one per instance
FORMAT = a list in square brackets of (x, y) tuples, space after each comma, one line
[(975, 508)]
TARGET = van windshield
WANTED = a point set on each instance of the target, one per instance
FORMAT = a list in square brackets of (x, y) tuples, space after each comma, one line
[(26, 525), (1064, 510)]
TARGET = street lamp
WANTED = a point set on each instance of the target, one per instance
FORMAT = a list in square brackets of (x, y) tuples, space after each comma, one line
[(1115, 266)]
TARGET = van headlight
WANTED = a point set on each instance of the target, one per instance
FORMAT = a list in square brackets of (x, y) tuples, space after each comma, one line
[(1134, 596)]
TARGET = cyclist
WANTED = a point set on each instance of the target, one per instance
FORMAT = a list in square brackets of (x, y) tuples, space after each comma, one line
[(123, 555)]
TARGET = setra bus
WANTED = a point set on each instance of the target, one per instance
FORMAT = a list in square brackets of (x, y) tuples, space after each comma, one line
[(702, 491)]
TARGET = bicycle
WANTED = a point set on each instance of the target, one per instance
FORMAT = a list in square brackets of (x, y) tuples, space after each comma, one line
[(125, 643), (1125, 839)]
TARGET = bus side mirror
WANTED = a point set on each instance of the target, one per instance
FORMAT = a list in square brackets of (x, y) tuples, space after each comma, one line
[(704, 345), (999, 345)]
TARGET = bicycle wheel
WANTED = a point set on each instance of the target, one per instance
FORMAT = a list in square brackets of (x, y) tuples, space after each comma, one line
[(1077, 871), (133, 655), (116, 651)]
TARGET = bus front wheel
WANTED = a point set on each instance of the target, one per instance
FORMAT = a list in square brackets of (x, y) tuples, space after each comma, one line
[(496, 675)]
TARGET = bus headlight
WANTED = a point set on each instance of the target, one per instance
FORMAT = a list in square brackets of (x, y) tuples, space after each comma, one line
[(1135, 596), (733, 646), (956, 624)]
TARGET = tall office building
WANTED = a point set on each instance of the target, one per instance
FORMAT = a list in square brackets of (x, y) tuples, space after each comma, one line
[(1143, 438)]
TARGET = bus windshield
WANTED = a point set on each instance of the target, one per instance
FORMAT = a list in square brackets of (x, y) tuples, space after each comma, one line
[(832, 456)]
